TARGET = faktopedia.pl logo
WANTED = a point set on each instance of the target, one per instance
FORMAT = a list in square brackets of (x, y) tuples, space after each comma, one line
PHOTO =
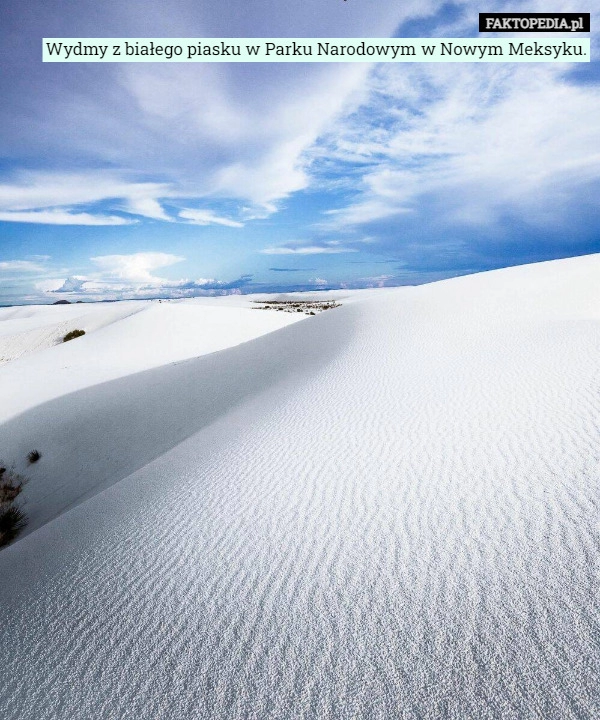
[(534, 22)]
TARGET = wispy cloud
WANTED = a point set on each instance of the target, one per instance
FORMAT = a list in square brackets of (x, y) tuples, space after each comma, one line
[(362, 213), (206, 217), (457, 139), (73, 198), (52, 189), (332, 247), (19, 266), (146, 206), (63, 217), (245, 136)]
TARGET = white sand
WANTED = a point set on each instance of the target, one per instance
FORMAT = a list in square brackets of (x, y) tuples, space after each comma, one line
[(121, 339), (389, 510)]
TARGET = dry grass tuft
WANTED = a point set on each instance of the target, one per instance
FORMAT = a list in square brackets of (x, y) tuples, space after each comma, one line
[(12, 518)]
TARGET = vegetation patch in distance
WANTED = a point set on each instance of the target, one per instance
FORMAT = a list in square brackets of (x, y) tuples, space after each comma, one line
[(73, 334), (308, 307)]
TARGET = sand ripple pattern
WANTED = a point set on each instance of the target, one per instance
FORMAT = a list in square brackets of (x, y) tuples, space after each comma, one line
[(410, 530)]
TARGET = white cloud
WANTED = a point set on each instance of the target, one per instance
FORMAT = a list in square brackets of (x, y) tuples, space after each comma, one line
[(247, 132), (121, 277), (20, 266), (471, 141), (264, 181), (307, 250), (147, 207), (49, 285), (251, 132), (363, 212), (135, 269), (206, 217), (258, 212), (32, 190), (376, 281), (118, 276), (73, 284), (73, 199), (62, 217), (62, 198)]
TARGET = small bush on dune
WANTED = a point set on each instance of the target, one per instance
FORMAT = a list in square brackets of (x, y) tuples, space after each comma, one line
[(12, 521), (12, 518), (73, 334), (34, 456)]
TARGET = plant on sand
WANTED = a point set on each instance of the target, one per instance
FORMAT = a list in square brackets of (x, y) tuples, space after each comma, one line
[(34, 456), (12, 521), (12, 518), (73, 334)]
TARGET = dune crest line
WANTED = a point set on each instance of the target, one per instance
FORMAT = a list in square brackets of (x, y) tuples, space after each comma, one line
[(98, 435)]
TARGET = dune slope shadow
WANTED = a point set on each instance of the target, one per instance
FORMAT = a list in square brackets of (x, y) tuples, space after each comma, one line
[(95, 437)]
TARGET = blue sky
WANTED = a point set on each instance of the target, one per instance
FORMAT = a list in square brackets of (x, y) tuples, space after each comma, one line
[(145, 180)]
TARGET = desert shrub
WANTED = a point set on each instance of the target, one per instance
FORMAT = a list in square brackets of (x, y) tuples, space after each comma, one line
[(12, 518), (34, 456), (12, 521), (73, 334), (9, 492)]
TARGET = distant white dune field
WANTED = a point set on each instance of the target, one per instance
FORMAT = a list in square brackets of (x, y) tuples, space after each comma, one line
[(121, 339), (389, 510)]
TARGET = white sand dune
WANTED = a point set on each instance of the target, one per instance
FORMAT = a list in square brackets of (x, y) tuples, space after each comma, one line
[(387, 511), (29, 329), (98, 435), (121, 339)]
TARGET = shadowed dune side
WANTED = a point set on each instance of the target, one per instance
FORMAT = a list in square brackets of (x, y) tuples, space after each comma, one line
[(148, 336), (93, 438)]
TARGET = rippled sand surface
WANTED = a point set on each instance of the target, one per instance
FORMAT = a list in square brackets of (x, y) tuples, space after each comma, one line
[(399, 519)]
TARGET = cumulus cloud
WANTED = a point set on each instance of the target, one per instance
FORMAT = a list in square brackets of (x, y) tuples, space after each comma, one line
[(70, 285), (134, 276), (136, 268), (49, 285)]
